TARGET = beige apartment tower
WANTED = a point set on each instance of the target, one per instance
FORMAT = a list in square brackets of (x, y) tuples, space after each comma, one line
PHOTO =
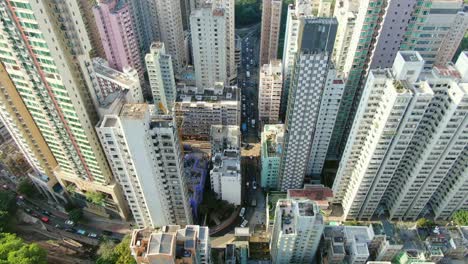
[(271, 20)]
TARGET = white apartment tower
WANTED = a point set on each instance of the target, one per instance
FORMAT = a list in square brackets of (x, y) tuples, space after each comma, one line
[(161, 77), (209, 36), (331, 100), (346, 14), (296, 233), (404, 141), (226, 179), (316, 37), (171, 31), (144, 152), (269, 92), (45, 51), (271, 20)]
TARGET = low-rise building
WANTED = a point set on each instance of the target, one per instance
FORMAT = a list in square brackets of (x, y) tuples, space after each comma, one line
[(271, 151), (269, 92), (201, 108), (172, 245), (315, 192)]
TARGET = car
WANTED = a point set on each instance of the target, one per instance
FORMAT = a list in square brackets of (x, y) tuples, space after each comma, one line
[(5, 186), (71, 230), (45, 212), (27, 210), (107, 233), (35, 214), (92, 235), (81, 232), (45, 219), (244, 223), (242, 212), (254, 185), (58, 226), (70, 223)]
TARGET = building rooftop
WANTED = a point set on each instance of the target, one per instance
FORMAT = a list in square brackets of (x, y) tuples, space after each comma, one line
[(109, 121), (411, 56), (134, 111), (272, 140), (228, 164), (218, 93), (102, 69), (315, 192), (161, 244)]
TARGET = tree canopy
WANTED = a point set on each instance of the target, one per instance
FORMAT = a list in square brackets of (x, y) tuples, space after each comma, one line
[(7, 210), (461, 217), (26, 188), (14, 250), (425, 223), (109, 253), (247, 12)]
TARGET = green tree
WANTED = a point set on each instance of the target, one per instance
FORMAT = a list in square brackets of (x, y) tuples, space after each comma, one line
[(425, 223), (247, 12), (14, 250), (461, 217), (26, 188), (95, 197), (7, 210), (109, 253), (76, 214)]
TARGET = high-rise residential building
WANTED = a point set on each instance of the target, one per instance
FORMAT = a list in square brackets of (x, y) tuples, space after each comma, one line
[(49, 70), (171, 31), (92, 29), (325, 8), (346, 14), (405, 140), (145, 20), (271, 20), (433, 24), (329, 106), (200, 108), (21, 126), (316, 37), (269, 92), (172, 244), (271, 150), (118, 36), (452, 40), (146, 158), (226, 179), (161, 77), (377, 34), (297, 229), (108, 81), (186, 7), (291, 45), (208, 27)]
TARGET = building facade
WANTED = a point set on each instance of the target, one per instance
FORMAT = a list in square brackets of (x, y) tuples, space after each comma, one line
[(209, 36), (57, 91), (202, 108), (297, 229), (271, 151), (269, 36), (316, 43), (411, 140), (172, 244), (171, 31), (226, 179), (269, 92), (145, 155), (118, 36), (161, 77)]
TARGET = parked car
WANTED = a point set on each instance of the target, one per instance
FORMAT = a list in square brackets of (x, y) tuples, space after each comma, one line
[(242, 212), (70, 223), (58, 226), (45, 212), (45, 219), (107, 233), (254, 185), (71, 230), (244, 223), (35, 214), (27, 210), (81, 232), (92, 235)]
